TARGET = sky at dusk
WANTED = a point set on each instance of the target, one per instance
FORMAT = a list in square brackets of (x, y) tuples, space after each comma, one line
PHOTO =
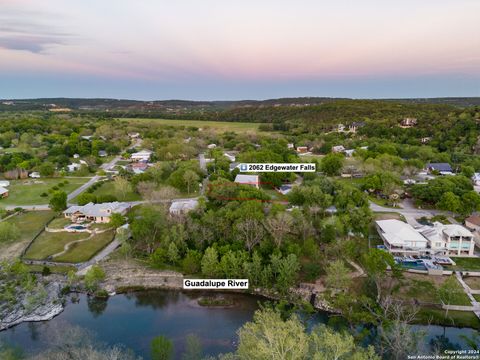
[(248, 49)]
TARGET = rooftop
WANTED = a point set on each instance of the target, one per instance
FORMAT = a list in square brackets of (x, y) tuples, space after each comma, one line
[(397, 232), (105, 209), (247, 179)]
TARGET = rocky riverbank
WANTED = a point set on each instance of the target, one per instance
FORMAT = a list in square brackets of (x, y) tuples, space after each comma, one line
[(27, 310)]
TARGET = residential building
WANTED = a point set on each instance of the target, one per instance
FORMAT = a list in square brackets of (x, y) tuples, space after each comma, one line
[(76, 156), (35, 175), (449, 239), (231, 157), (3, 192), (252, 180), (401, 238), (408, 122), (290, 146), (211, 146), (102, 153), (340, 128), (472, 223), (442, 168), (233, 166), (4, 183), (143, 155), (74, 167), (137, 168), (353, 127), (285, 189), (425, 140), (183, 206), (476, 179), (98, 213), (302, 149), (338, 149), (349, 152), (134, 135)]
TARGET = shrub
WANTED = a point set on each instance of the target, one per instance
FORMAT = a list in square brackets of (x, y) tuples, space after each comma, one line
[(44, 194), (46, 271), (55, 187)]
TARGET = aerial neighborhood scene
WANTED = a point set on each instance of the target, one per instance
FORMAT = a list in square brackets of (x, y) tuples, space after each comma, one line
[(308, 197)]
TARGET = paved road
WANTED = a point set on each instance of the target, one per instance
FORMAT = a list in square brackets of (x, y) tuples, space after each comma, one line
[(82, 188), (410, 214)]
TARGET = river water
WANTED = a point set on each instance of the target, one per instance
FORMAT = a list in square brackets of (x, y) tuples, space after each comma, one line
[(133, 320)]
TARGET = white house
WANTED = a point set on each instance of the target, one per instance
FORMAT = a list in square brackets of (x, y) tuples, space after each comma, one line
[(74, 167), (252, 180), (76, 156), (290, 146), (349, 152), (98, 213), (338, 149), (143, 155), (449, 239), (476, 179), (211, 146), (401, 238), (4, 183), (183, 206), (35, 175), (230, 157), (134, 135)]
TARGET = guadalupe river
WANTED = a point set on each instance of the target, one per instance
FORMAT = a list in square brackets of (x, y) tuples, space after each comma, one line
[(134, 319)]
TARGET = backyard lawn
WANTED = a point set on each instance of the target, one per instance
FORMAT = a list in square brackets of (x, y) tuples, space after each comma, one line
[(49, 243), (464, 263), (29, 191), (85, 250), (219, 126), (29, 224)]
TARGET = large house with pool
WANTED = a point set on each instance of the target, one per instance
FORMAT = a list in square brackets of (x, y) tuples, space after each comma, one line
[(98, 213), (403, 239)]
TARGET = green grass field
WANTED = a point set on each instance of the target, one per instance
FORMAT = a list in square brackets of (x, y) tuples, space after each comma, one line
[(27, 192), (108, 188), (464, 263), (29, 224), (51, 243), (219, 126), (85, 250)]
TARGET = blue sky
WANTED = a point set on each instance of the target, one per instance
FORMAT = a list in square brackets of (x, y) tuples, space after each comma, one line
[(212, 49)]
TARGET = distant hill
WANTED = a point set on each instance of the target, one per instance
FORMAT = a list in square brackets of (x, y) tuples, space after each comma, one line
[(186, 106)]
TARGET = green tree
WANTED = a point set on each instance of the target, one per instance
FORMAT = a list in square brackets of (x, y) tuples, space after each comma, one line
[(191, 263), (338, 276), (172, 254), (269, 337), (210, 264), (86, 198), (450, 202), (93, 277), (190, 177), (332, 164), (161, 348), (46, 169), (58, 201), (117, 220)]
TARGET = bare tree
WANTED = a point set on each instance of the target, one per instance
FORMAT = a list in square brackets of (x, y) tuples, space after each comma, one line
[(251, 231), (122, 186), (279, 226)]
